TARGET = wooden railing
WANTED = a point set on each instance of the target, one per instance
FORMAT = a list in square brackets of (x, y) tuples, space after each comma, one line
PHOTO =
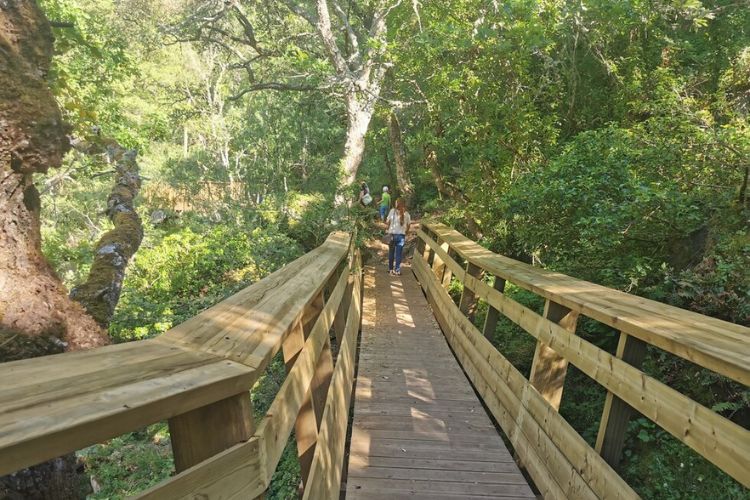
[(198, 376), (559, 460)]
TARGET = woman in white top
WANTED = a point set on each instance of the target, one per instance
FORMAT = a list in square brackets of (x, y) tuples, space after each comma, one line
[(397, 225)]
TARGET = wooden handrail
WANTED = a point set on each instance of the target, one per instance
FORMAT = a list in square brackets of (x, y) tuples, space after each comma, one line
[(712, 343), (198, 375), (559, 460)]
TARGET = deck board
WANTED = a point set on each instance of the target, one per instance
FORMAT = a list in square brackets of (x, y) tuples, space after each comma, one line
[(419, 430)]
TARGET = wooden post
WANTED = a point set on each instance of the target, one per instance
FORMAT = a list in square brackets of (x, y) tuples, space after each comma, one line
[(490, 322), (331, 283), (437, 263), (321, 380), (447, 273), (421, 247), (204, 432), (468, 303), (617, 413), (339, 321), (548, 368), (427, 252)]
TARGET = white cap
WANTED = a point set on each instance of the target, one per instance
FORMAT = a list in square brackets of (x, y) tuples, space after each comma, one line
[(385, 189)]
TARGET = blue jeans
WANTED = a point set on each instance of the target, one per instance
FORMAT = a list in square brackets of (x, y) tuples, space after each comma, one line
[(383, 212), (396, 246)]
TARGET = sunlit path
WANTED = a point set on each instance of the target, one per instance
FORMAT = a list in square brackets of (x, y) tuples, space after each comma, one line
[(419, 430)]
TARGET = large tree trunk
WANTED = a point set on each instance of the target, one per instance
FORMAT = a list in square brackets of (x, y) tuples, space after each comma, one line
[(36, 315), (447, 190), (399, 155), (33, 302), (358, 120)]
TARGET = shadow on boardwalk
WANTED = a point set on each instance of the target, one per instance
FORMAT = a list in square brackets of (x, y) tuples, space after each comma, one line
[(419, 430)]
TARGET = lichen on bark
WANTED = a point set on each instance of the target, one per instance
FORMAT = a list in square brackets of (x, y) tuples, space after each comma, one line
[(100, 292)]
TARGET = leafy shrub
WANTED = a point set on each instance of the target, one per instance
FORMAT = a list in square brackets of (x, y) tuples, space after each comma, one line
[(172, 279)]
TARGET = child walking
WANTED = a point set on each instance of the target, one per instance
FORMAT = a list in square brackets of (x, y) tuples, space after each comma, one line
[(397, 225), (385, 203)]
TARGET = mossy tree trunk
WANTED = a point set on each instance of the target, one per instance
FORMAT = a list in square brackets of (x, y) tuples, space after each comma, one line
[(100, 292), (37, 317)]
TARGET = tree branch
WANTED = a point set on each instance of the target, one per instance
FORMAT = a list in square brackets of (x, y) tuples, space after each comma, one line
[(353, 40), (279, 86), (329, 41), (62, 24)]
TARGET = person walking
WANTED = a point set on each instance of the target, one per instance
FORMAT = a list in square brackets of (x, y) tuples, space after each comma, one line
[(364, 195), (385, 203), (397, 225)]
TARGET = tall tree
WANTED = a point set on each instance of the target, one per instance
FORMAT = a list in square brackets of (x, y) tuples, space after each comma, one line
[(399, 154), (354, 41)]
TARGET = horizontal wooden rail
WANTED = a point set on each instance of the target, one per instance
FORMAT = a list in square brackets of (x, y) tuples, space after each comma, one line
[(712, 343), (559, 460), (198, 375)]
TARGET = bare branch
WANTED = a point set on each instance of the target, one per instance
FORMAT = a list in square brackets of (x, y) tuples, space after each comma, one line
[(62, 24), (279, 86), (329, 41), (353, 41), (292, 5)]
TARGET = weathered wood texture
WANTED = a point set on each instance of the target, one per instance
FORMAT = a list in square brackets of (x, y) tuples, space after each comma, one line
[(617, 413), (206, 431), (324, 479), (719, 440), (418, 427), (245, 470)]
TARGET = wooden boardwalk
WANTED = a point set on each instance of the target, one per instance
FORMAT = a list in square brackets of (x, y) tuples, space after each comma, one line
[(419, 430)]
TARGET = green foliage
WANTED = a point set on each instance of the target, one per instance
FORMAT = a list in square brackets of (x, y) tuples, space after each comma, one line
[(657, 465), (175, 277), (129, 463)]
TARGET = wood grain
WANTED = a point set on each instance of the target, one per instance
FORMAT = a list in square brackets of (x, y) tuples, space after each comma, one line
[(715, 344), (418, 425)]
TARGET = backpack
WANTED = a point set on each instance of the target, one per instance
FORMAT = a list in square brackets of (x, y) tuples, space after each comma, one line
[(367, 199)]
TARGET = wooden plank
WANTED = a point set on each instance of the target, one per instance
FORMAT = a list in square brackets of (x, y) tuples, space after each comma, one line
[(548, 368), (386, 486), (412, 495), (413, 406), (305, 426), (339, 322), (438, 263), (36, 433), (359, 461), (490, 446), (40, 384), (715, 344), (472, 437), (447, 271), (616, 414), (252, 332), (439, 475), (324, 480), (569, 464), (308, 420), (208, 430), (234, 473), (507, 412)]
